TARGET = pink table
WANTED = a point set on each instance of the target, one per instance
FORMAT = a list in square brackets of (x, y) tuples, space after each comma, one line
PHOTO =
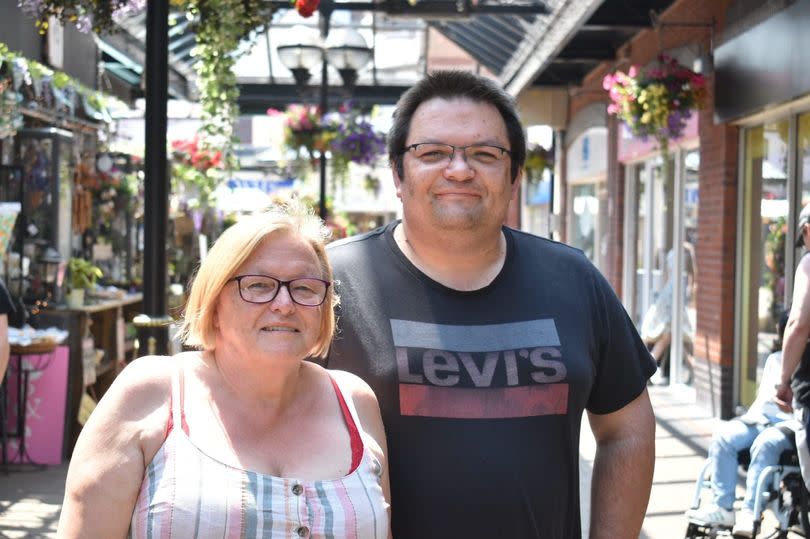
[(44, 420)]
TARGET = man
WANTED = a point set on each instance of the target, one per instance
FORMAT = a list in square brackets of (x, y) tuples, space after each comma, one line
[(766, 432), (794, 385), (484, 345)]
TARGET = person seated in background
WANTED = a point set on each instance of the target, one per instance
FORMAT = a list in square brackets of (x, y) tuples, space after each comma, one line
[(242, 437), (761, 430)]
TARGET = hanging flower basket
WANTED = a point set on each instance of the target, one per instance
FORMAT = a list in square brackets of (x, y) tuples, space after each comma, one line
[(304, 130), (354, 140), (656, 102), (197, 170), (357, 141), (538, 159)]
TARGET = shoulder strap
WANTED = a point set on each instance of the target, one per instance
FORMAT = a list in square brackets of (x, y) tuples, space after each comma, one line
[(178, 415), (352, 423)]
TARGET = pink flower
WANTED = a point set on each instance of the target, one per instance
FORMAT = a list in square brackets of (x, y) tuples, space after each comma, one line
[(632, 72)]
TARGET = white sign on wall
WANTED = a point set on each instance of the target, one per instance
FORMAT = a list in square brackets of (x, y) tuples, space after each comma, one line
[(587, 155), (56, 43)]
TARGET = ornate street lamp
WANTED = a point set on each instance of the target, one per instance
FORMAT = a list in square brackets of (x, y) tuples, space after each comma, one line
[(302, 55), (345, 49)]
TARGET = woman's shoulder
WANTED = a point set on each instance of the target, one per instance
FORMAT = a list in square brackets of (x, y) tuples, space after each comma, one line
[(148, 379), (352, 385)]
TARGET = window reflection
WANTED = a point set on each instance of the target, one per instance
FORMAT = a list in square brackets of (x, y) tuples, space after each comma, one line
[(765, 215)]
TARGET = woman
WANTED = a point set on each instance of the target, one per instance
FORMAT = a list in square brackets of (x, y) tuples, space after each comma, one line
[(243, 438)]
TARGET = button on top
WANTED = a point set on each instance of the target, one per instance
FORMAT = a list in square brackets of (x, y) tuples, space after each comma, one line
[(297, 490), (302, 531)]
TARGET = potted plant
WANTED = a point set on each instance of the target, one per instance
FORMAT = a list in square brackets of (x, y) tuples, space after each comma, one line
[(83, 275)]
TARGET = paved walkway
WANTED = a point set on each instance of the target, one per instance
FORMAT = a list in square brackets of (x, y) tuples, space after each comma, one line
[(30, 501)]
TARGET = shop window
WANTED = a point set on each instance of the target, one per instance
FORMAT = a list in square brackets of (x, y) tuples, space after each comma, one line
[(664, 279), (765, 214), (803, 170), (585, 219)]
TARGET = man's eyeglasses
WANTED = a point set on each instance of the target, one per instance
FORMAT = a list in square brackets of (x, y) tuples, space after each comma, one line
[(433, 153), (306, 291)]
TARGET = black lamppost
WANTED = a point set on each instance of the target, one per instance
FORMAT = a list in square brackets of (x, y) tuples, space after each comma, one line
[(345, 49)]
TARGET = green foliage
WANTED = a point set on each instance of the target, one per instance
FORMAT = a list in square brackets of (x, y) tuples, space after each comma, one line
[(221, 25), (83, 274)]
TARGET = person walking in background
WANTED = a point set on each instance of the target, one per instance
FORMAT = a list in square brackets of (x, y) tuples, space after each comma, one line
[(243, 438), (766, 431), (794, 384), (485, 344)]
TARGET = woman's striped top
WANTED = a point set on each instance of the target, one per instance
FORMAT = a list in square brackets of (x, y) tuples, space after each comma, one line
[(186, 493)]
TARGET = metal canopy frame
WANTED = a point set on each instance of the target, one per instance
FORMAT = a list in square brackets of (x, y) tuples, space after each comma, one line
[(480, 27), (610, 26)]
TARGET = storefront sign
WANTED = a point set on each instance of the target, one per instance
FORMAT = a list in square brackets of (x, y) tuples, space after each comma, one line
[(587, 155), (267, 186), (633, 149)]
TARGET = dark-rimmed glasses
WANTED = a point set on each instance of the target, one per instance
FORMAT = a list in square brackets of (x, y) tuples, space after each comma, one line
[(435, 153), (306, 291)]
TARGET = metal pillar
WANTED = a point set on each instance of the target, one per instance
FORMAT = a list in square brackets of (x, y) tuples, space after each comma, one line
[(324, 104), (325, 12), (153, 325)]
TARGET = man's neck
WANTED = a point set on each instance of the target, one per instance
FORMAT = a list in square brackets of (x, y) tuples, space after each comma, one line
[(462, 261)]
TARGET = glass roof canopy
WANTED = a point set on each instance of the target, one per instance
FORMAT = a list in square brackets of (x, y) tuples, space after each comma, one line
[(397, 44)]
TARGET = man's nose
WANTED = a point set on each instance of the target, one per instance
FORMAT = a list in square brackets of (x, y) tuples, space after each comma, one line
[(458, 167)]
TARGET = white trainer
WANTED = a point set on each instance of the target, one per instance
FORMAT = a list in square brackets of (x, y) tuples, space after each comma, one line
[(712, 515), (744, 526)]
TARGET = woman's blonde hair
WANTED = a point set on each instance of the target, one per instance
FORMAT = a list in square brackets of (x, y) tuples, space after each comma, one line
[(230, 251)]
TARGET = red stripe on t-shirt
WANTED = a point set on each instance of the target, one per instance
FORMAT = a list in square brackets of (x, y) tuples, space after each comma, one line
[(483, 403)]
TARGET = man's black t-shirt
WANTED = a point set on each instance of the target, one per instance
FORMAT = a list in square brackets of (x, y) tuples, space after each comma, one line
[(482, 392)]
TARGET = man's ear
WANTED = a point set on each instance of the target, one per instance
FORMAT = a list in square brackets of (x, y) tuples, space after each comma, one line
[(397, 178), (517, 182)]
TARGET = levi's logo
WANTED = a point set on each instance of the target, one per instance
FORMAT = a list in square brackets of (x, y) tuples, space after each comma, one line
[(475, 372)]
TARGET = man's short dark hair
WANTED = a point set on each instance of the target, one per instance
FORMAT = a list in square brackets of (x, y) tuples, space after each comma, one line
[(456, 85)]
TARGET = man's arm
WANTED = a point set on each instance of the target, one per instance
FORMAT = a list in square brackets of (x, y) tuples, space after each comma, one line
[(796, 332), (622, 469)]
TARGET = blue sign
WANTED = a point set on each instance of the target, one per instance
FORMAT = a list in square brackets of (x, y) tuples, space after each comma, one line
[(267, 186)]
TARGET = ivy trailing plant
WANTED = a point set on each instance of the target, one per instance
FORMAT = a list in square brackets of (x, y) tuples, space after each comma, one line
[(219, 28)]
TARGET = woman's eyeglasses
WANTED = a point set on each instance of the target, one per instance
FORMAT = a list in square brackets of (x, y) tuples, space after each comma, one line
[(306, 291)]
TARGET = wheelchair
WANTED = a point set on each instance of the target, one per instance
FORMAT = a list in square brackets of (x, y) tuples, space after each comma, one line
[(780, 489)]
